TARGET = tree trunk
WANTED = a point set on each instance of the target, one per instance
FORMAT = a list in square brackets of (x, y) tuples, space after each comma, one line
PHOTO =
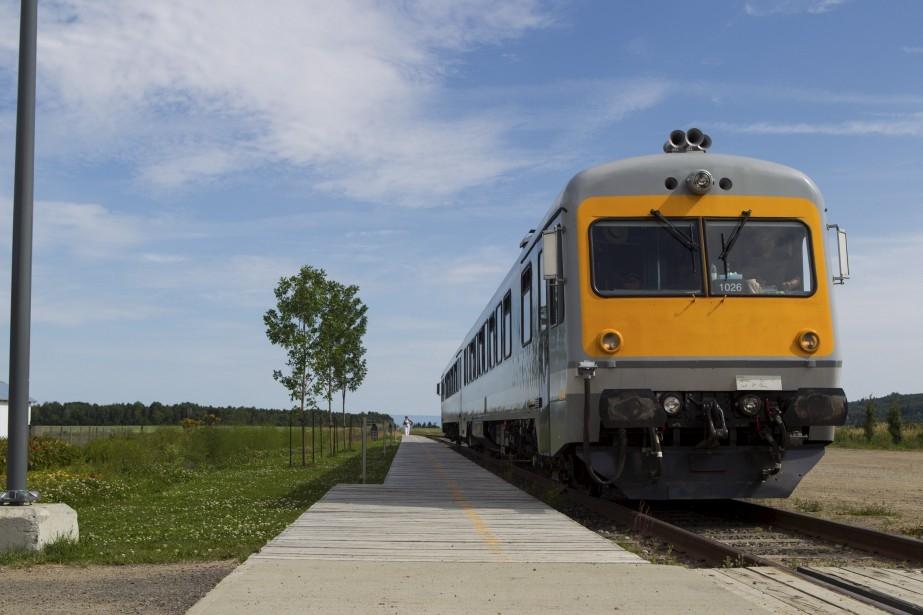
[(303, 457), (330, 409)]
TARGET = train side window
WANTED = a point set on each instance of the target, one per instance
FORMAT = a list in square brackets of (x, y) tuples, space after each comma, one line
[(498, 317), (525, 306), (482, 355), (492, 341), (465, 367), (508, 325)]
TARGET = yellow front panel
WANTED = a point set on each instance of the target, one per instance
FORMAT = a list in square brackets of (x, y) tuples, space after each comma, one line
[(735, 326)]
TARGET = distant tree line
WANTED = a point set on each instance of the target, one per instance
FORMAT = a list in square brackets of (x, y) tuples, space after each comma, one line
[(908, 407), (156, 413)]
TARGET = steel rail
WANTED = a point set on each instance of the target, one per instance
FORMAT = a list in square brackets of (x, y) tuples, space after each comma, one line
[(694, 545), (901, 548)]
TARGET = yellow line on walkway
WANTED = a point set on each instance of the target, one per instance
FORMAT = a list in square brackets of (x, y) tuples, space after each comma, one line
[(482, 528)]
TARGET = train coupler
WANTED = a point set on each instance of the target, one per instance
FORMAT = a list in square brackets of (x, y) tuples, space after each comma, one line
[(715, 423)]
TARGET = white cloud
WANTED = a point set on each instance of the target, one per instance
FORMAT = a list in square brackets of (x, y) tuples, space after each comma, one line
[(762, 8), (86, 230), (879, 315), (908, 49), (349, 91), (899, 125), (167, 259)]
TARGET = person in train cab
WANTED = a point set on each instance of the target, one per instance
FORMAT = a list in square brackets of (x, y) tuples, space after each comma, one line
[(773, 263)]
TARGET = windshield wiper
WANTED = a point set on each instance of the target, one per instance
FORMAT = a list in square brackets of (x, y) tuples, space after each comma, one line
[(691, 245), (726, 249)]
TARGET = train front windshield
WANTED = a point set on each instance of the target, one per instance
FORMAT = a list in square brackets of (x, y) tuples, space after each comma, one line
[(664, 257), (640, 257), (760, 257)]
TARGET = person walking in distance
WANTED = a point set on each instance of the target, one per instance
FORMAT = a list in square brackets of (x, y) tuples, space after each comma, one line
[(407, 425)]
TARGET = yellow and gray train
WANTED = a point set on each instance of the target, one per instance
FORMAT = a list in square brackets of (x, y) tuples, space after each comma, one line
[(666, 332)]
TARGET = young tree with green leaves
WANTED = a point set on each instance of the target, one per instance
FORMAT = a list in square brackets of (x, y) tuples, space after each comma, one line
[(352, 366), (869, 425), (294, 325), (340, 363), (895, 424)]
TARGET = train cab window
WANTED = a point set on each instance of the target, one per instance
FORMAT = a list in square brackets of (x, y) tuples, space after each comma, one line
[(542, 296), (759, 257), (525, 306), (641, 257), (555, 304), (508, 326)]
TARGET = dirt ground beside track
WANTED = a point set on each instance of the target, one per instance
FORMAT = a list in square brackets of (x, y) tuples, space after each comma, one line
[(877, 489), (159, 589)]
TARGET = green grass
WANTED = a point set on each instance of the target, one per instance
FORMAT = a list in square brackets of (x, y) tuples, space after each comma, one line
[(182, 496), (807, 506), (854, 437), (869, 510)]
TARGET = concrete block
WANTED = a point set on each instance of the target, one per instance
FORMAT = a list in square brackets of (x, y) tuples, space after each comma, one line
[(32, 527)]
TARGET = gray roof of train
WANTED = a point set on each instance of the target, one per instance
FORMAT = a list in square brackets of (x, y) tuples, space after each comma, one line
[(646, 175)]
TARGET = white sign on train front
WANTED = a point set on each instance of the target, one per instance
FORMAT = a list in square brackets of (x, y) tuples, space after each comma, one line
[(759, 383)]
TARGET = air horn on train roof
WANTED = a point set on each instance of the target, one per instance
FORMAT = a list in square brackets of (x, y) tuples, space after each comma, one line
[(692, 140)]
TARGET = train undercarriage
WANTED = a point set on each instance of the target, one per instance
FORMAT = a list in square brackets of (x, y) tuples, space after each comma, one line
[(712, 449)]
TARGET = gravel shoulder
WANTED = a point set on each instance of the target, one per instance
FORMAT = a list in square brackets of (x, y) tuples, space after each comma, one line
[(157, 589), (876, 489)]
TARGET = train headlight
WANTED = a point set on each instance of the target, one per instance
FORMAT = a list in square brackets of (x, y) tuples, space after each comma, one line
[(610, 340), (749, 405), (809, 341), (672, 404), (700, 182)]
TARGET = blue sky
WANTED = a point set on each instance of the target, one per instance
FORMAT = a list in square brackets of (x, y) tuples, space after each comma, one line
[(189, 155)]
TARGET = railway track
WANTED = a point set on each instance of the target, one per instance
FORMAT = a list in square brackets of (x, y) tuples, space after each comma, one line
[(735, 533)]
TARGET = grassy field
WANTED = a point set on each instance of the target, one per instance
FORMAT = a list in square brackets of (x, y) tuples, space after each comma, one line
[(184, 495), (854, 437)]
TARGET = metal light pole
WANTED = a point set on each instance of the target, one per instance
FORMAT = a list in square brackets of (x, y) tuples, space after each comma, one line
[(21, 302)]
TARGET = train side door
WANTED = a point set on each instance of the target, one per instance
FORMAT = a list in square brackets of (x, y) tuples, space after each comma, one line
[(543, 422)]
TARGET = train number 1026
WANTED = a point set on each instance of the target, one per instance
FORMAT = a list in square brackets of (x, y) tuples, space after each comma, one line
[(731, 287)]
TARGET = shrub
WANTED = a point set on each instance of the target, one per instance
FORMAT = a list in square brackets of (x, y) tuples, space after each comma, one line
[(895, 426), (869, 420), (44, 453)]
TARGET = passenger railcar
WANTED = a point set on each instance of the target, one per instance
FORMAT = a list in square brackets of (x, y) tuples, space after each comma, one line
[(666, 332)]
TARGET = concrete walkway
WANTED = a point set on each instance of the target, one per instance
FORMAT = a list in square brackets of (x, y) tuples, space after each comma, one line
[(443, 535)]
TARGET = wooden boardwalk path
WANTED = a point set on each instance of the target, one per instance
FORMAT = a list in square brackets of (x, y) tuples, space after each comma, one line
[(435, 505), (468, 542)]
